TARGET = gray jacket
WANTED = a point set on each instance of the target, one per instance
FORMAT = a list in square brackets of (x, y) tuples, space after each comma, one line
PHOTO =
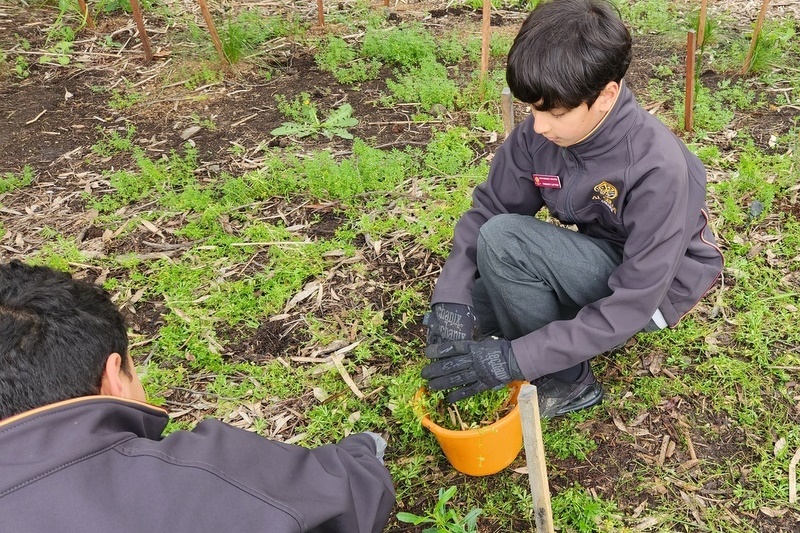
[(632, 182), (99, 464)]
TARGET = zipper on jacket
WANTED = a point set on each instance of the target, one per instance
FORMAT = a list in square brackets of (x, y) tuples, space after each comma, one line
[(566, 204)]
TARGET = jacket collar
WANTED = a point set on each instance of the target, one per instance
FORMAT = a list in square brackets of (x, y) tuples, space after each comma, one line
[(614, 127), (105, 403)]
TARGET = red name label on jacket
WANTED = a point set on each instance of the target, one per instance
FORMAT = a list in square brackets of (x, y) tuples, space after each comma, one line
[(547, 181)]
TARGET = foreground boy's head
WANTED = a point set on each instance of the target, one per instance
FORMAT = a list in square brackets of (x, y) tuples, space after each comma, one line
[(569, 57), (59, 339)]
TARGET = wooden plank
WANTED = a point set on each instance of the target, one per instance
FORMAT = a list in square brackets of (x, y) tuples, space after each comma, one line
[(528, 401)]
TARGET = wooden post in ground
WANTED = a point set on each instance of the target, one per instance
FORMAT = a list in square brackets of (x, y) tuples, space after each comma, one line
[(137, 16), (485, 41), (760, 22), (87, 15), (528, 401), (507, 108), (793, 477), (320, 13), (688, 114), (701, 23), (212, 29)]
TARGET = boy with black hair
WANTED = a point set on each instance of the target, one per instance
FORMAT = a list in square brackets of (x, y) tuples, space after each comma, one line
[(81, 451), (519, 298)]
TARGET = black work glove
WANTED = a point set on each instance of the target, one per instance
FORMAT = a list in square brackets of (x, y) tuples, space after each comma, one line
[(470, 367), (451, 322)]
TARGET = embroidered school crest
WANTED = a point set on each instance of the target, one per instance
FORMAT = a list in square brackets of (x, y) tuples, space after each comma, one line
[(606, 193)]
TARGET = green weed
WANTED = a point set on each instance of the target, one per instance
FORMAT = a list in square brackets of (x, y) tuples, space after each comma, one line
[(244, 33), (710, 113), (427, 85), (173, 178), (650, 16), (574, 509), (408, 303), (10, 181), (306, 122), (58, 252), (340, 59), (113, 142), (488, 121), (442, 518), (563, 438), (758, 176), (449, 152), (121, 100), (22, 68), (455, 47), (408, 46)]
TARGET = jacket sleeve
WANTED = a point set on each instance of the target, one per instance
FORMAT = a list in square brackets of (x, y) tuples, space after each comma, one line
[(658, 221), (336, 488), (504, 191)]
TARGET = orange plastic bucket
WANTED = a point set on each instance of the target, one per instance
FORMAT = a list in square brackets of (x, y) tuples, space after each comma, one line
[(481, 451)]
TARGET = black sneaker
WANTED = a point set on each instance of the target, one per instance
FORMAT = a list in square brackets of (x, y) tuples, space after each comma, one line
[(557, 398)]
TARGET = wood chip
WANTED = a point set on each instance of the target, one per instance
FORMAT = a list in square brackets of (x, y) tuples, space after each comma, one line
[(688, 465), (190, 132), (664, 447)]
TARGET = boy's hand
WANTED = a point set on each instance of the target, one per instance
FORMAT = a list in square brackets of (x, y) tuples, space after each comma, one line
[(451, 322), (470, 367)]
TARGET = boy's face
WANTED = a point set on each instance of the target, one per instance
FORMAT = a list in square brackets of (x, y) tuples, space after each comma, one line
[(563, 127), (567, 127)]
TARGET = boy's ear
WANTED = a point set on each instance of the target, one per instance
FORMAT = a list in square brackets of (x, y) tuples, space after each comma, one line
[(608, 96), (111, 383)]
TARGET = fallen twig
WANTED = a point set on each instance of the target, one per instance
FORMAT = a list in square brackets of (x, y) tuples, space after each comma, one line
[(37, 117)]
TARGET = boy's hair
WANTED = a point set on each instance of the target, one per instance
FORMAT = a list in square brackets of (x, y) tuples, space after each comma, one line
[(56, 334), (566, 52)]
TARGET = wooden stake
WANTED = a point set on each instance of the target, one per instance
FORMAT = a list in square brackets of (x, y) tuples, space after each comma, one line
[(688, 115), (507, 108), (320, 13), (485, 40), (386, 3), (701, 24), (793, 477), (137, 16), (528, 401), (87, 15), (212, 30), (756, 31)]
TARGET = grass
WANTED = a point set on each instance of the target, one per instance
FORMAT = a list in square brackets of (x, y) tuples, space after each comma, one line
[(247, 256)]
